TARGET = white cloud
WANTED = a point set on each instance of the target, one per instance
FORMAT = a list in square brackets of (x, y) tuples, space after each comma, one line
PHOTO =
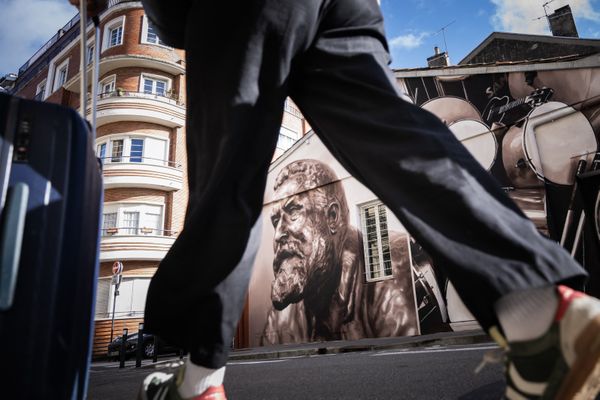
[(25, 25), (408, 41), (522, 15)]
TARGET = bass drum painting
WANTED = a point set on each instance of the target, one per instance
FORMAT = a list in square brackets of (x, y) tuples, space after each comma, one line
[(451, 109), (553, 139), (478, 139)]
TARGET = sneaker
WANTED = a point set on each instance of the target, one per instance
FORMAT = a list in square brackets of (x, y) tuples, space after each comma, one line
[(564, 363), (163, 386)]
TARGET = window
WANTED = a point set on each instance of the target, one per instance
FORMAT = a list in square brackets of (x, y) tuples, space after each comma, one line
[(152, 223), (60, 75), (109, 223), (137, 150), (113, 33), (102, 152), (107, 86), (155, 86), (133, 219), (129, 303), (152, 36), (131, 222), (286, 139), (115, 36), (89, 54), (117, 150), (40, 90), (378, 263)]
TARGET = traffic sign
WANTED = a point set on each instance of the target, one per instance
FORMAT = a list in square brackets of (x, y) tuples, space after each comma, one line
[(117, 268)]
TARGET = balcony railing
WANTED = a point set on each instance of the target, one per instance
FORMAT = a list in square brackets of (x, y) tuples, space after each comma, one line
[(133, 231), (169, 97), (142, 160)]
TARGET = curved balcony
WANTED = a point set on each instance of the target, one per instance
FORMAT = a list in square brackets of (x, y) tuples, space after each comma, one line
[(111, 63), (141, 244), (121, 105), (148, 173)]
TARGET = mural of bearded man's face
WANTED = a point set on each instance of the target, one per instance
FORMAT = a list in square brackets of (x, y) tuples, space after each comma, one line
[(302, 244)]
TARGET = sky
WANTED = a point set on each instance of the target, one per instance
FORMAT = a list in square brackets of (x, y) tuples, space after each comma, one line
[(413, 27)]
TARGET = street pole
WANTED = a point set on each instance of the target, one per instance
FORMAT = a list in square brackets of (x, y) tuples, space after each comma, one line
[(112, 323), (117, 269)]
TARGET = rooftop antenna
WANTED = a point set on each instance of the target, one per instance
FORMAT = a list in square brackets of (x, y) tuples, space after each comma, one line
[(443, 31), (545, 5)]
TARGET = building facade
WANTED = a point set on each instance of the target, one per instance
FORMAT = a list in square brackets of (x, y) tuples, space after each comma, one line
[(140, 142)]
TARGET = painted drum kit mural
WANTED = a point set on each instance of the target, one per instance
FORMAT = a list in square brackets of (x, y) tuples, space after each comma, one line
[(536, 132)]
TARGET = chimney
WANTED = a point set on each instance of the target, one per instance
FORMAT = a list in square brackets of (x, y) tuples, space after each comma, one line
[(439, 59), (562, 22)]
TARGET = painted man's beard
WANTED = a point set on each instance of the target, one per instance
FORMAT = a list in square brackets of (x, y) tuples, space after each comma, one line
[(290, 275), (296, 275)]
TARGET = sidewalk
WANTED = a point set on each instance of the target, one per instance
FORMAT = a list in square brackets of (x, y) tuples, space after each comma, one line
[(346, 346)]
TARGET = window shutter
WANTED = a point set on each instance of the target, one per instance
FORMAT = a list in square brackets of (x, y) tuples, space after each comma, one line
[(156, 151)]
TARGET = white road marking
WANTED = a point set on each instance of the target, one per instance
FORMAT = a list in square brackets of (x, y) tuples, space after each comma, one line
[(255, 362), (441, 350)]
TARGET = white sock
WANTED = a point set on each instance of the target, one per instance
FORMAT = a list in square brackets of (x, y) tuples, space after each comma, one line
[(527, 314), (196, 379)]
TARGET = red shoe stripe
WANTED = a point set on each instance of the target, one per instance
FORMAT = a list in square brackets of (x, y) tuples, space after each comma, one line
[(212, 393), (565, 296)]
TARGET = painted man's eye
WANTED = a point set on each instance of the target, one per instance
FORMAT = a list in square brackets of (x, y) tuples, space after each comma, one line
[(294, 212), (275, 220)]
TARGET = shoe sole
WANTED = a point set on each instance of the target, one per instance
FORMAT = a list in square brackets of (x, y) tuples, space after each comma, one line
[(583, 380)]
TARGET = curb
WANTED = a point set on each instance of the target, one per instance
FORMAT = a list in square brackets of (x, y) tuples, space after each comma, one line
[(477, 338)]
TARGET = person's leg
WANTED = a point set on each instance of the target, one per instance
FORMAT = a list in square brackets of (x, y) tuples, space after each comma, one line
[(456, 211), (237, 67)]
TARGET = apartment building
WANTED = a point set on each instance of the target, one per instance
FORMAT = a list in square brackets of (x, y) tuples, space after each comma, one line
[(140, 142)]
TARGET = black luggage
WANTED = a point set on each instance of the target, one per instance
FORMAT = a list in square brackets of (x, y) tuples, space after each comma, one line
[(51, 186)]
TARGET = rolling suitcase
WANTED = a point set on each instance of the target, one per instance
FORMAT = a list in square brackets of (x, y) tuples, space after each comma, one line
[(50, 202)]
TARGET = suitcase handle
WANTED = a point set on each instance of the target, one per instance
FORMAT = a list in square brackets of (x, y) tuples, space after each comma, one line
[(11, 240)]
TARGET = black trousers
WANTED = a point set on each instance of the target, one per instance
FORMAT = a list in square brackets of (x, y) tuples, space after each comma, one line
[(244, 57)]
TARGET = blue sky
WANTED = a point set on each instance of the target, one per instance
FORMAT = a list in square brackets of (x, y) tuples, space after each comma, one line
[(412, 26)]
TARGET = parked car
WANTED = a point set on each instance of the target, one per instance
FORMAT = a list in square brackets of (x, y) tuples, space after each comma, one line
[(148, 348)]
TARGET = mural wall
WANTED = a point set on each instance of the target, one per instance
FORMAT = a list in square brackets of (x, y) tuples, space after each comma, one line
[(334, 263)]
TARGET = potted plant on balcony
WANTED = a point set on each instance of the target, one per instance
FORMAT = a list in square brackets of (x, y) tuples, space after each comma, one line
[(120, 91)]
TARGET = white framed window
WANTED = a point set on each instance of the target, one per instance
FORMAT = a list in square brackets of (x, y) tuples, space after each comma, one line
[(107, 85), (133, 149), (40, 91), (149, 34), (109, 223), (131, 222), (129, 303), (89, 54), (116, 152), (137, 219), (151, 84), (287, 138), (113, 33), (60, 75), (376, 242)]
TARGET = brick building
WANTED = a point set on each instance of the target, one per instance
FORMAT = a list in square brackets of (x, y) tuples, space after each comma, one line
[(140, 140)]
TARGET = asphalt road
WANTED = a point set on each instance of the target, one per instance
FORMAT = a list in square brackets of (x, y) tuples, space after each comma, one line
[(423, 373)]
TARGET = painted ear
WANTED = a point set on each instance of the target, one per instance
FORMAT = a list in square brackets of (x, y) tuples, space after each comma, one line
[(333, 217)]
